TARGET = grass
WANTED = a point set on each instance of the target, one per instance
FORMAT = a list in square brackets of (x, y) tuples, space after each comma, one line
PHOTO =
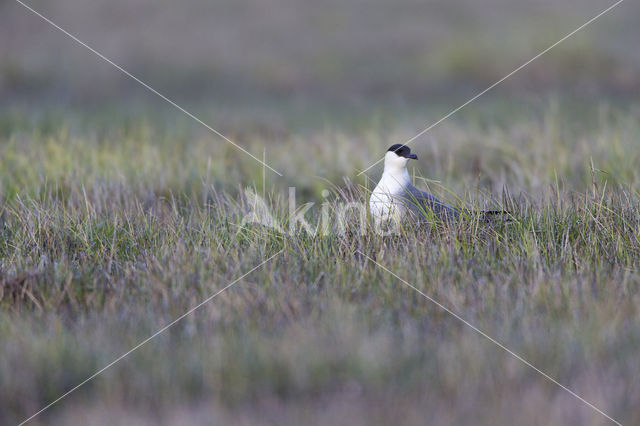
[(111, 226)]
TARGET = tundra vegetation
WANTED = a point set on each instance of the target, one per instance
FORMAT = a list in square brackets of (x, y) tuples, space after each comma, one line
[(114, 222)]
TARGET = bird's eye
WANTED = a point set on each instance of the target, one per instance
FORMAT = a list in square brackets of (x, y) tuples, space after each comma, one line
[(400, 150)]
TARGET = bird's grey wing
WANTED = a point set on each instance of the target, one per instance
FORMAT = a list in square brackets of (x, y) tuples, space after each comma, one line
[(423, 203)]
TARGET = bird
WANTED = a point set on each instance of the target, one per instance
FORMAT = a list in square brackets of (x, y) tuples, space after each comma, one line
[(394, 199)]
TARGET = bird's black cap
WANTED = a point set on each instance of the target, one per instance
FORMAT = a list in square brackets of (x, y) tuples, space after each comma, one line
[(402, 151)]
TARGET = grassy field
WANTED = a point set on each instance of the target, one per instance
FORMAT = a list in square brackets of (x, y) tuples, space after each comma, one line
[(113, 223)]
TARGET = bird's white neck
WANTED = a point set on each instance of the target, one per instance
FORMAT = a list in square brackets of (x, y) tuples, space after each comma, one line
[(393, 180)]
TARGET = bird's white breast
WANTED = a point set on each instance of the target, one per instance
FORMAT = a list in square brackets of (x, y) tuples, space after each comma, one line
[(386, 202)]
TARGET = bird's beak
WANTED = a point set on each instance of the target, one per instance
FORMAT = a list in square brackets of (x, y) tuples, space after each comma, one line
[(413, 156)]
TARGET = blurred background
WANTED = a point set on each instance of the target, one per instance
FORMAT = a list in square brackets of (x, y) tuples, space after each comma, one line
[(329, 51)]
